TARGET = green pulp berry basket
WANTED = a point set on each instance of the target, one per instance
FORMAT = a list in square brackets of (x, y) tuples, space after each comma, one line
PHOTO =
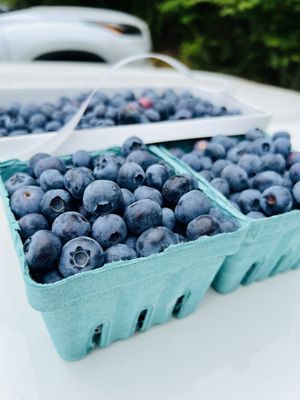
[(97, 307), (270, 246)]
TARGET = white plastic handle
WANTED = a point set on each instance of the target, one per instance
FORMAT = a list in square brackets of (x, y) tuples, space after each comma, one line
[(63, 134)]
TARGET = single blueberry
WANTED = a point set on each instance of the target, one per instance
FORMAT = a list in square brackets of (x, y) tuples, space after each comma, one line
[(286, 180), (296, 193), (273, 162), (255, 215), (265, 179), (221, 185), (31, 223), (142, 215), (236, 178), (109, 230), (131, 241), (156, 175), (51, 179), (155, 240), (227, 225), (77, 179), (119, 252), (55, 202), (146, 192), (143, 158), (50, 277), (49, 163), (282, 146), (234, 154), (207, 175), (262, 146), (218, 167), (28, 110), (42, 251), (53, 126), (152, 115), (80, 255), (103, 197), (168, 218), (35, 159), (276, 200), (226, 141), (26, 200), (183, 113), (177, 152), (204, 225), (216, 213), (81, 158), (131, 176), (249, 200), (293, 158), (281, 134), (251, 163), (191, 205), (175, 187), (37, 120), (129, 114), (18, 180), (254, 133), (215, 151), (70, 225), (193, 161), (295, 172), (107, 167)]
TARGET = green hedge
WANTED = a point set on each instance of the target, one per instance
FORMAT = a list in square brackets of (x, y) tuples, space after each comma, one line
[(257, 39)]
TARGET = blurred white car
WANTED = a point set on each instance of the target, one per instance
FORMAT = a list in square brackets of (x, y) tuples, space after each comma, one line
[(71, 34)]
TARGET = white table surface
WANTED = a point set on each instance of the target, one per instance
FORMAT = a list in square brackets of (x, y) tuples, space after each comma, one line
[(245, 345)]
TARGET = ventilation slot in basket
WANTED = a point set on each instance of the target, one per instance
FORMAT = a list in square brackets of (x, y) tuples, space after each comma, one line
[(179, 304), (96, 339), (278, 266), (251, 273), (141, 320)]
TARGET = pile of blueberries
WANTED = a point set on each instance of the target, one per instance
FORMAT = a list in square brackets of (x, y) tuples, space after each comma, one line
[(78, 215), (121, 109), (260, 175)]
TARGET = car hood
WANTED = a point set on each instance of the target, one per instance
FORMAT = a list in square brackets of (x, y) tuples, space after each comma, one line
[(72, 14)]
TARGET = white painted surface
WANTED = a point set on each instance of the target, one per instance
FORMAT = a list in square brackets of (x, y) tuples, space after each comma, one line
[(245, 345)]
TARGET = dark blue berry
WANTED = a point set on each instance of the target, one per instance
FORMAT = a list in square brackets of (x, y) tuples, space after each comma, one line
[(109, 230), (142, 215), (70, 225), (26, 200), (155, 240)]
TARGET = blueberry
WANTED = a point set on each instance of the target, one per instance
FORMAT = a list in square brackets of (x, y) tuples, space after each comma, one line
[(206, 163), (281, 134), (193, 161), (131, 176), (99, 111), (282, 146), (3, 132), (119, 252), (18, 132), (177, 152), (225, 141), (296, 193), (70, 225), (80, 255), (146, 192), (27, 111), (35, 159), (234, 197), (273, 162), (47, 109), (221, 185), (265, 179), (50, 277), (182, 114), (254, 133), (155, 240), (249, 200), (235, 154), (207, 175), (193, 181), (52, 126), (77, 179), (251, 163), (129, 114), (49, 163), (227, 225), (103, 197), (255, 215), (143, 158), (109, 230), (51, 179), (156, 175), (295, 172), (55, 202), (218, 167), (42, 251), (276, 200), (131, 241), (111, 113), (204, 225), (107, 167), (128, 197), (18, 180), (175, 187), (26, 200), (286, 180), (81, 158), (216, 213), (142, 215), (37, 120), (236, 178), (293, 158), (168, 218), (262, 146), (31, 223), (152, 115), (191, 205), (215, 151)]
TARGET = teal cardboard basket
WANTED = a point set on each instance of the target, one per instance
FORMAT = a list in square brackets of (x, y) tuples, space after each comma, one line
[(270, 246), (98, 307)]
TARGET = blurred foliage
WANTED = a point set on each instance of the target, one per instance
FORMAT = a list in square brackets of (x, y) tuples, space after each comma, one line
[(257, 39)]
